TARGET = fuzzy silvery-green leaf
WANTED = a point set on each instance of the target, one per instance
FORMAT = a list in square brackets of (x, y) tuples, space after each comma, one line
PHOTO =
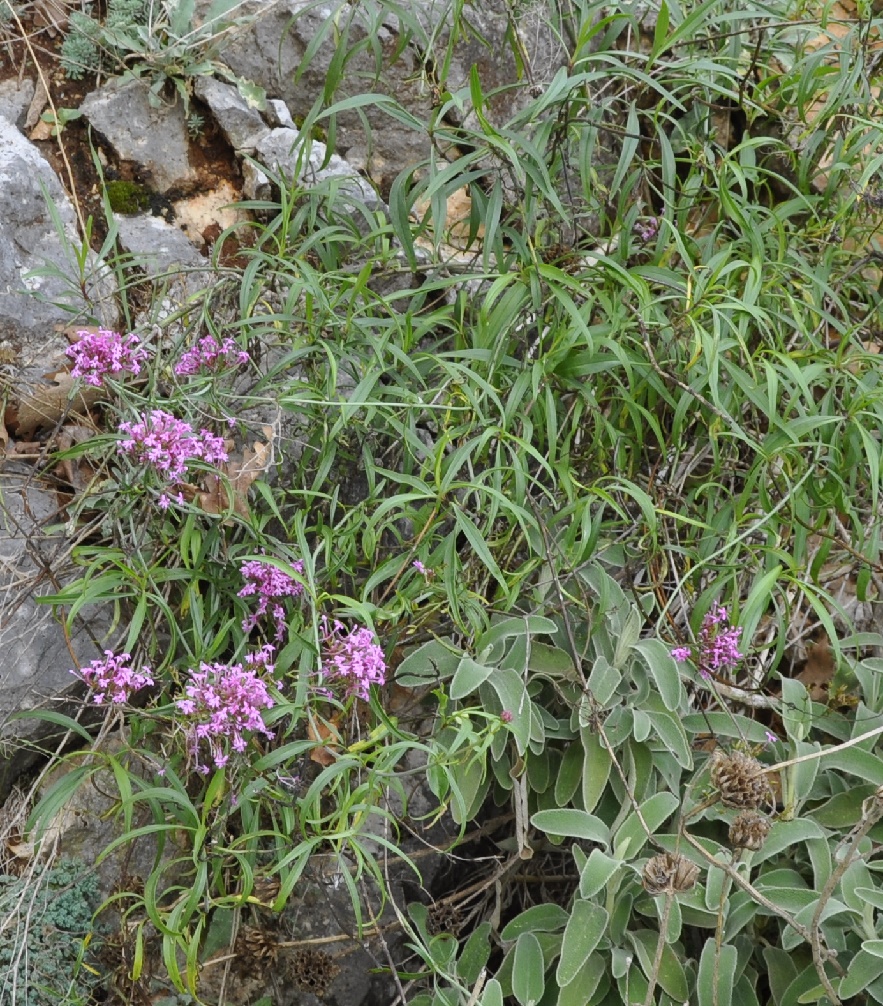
[(631, 835), (604, 679), (664, 670), (716, 975), (597, 870), (671, 974), (864, 968), (568, 822), (528, 970), (582, 935), (468, 676), (545, 918)]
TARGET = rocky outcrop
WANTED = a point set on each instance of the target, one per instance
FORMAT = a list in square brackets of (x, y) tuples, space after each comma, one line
[(292, 50), (155, 138)]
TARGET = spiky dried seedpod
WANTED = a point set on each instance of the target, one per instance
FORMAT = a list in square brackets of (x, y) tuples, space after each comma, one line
[(255, 949), (668, 873), (749, 830), (739, 780), (313, 970), (266, 889)]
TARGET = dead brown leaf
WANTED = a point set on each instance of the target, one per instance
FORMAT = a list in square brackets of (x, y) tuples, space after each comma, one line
[(320, 732), (42, 406), (78, 472), (240, 473), (819, 670), (39, 101), (52, 15)]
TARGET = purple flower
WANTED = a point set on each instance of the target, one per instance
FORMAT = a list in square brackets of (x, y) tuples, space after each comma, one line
[(113, 679), (224, 702), (647, 229), (353, 657), (770, 737), (168, 444), (209, 354), (105, 353), (418, 565), (717, 648), (506, 716), (269, 584)]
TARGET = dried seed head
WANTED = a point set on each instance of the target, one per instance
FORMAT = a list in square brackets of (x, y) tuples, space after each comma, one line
[(739, 780), (749, 830), (256, 949), (668, 873), (313, 970)]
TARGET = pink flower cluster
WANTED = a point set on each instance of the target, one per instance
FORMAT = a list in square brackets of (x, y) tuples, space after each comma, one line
[(113, 679), (354, 658), (169, 444), (269, 584), (224, 701), (105, 353), (717, 649), (209, 354)]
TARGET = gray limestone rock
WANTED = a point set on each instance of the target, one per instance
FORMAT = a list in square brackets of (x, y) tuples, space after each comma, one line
[(279, 151), (29, 242), (155, 139), (273, 52), (167, 255), (158, 246), (277, 114), (15, 97), (241, 125), (36, 655)]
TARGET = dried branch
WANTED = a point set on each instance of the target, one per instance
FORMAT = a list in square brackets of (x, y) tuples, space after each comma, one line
[(872, 812)]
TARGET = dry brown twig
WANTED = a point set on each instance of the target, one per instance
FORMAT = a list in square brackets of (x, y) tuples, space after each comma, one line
[(872, 812)]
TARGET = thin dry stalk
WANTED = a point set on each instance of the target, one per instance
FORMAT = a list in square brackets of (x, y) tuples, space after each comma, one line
[(660, 947), (756, 895), (872, 812)]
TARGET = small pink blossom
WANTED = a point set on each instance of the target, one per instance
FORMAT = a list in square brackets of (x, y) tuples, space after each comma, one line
[(169, 445), (223, 703), (105, 354), (353, 657), (209, 354), (269, 584), (506, 716), (717, 648), (113, 679)]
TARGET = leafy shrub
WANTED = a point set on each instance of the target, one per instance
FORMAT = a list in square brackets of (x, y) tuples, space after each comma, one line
[(630, 400)]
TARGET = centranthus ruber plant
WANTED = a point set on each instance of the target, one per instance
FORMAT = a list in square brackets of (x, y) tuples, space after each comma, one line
[(106, 354), (210, 355), (717, 648), (352, 657), (223, 705), (269, 585), (113, 679)]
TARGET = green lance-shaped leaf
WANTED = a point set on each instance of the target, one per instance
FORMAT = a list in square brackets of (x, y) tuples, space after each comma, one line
[(583, 933)]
